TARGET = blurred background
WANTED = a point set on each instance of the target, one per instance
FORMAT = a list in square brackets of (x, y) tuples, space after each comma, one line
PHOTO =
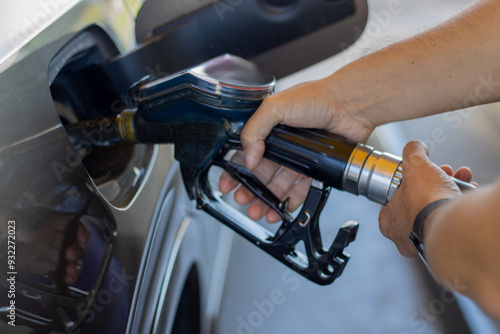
[(380, 291)]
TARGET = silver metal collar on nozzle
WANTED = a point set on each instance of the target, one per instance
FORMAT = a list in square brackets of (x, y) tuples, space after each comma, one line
[(372, 174)]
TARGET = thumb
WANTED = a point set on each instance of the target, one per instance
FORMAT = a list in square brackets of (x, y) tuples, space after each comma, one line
[(256, 130), (415, 156)]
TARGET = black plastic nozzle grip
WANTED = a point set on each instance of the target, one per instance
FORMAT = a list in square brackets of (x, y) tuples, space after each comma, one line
[(315, 153)]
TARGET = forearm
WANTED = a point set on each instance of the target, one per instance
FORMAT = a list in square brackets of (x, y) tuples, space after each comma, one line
[(461, 246), (452, 66)]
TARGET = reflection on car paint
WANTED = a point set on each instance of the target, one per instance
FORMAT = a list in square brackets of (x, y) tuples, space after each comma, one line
[(66, 276)]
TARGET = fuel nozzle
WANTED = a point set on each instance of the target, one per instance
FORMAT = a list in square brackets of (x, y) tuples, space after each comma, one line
[(202, 110)]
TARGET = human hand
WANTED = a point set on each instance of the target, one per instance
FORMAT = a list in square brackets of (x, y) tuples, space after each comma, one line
[(281, 181), (309, 105), (423, 183)]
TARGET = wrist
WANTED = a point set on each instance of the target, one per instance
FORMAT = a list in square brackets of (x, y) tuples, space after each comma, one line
[(365, 93), (349, 116), (421, 223)]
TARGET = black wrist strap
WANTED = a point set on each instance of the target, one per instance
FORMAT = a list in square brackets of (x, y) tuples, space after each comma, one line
[(416, 233)]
